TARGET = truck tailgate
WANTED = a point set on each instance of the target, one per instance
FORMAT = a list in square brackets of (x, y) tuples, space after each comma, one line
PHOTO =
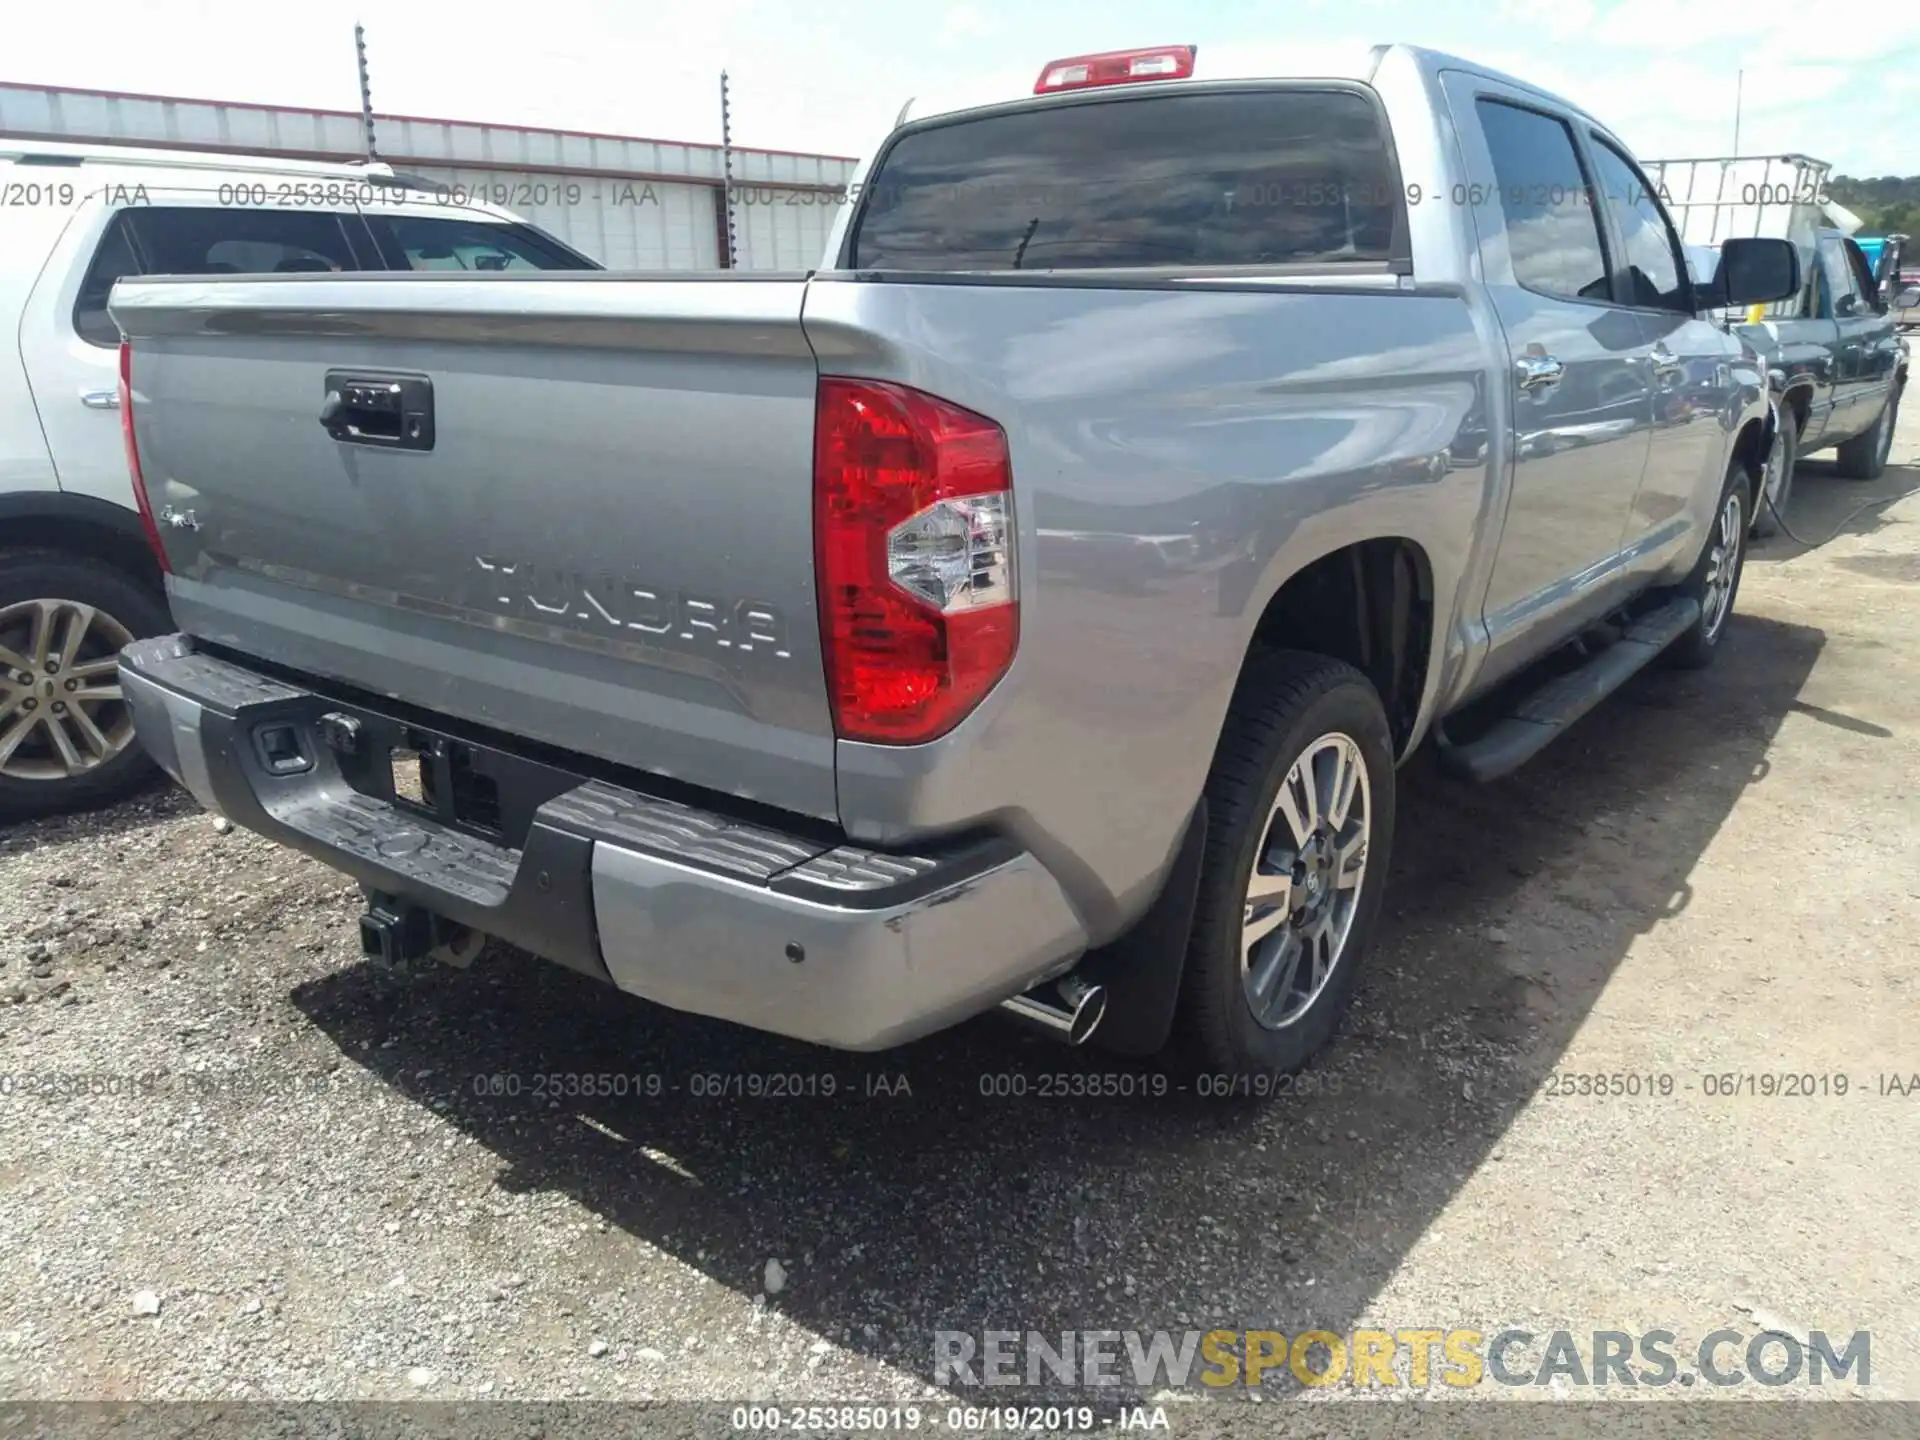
[(606, 545)]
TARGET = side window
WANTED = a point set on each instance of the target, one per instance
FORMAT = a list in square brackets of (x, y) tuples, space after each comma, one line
[(1553, 234), (1863, 282), (1836, 279), (114, 259), (1652, 255), (412, 242), (222, 240), (206, 240)]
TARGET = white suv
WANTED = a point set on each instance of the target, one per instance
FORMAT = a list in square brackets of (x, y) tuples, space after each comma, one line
[(77, 580)]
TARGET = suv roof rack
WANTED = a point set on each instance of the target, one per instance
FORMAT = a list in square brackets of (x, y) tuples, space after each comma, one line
[(68, 153)]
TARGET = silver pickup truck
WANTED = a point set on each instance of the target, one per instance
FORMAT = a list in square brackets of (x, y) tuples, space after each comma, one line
[(1029, 608)]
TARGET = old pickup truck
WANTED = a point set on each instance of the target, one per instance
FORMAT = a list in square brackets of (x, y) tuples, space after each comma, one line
[(1028, 608), (1834, 359), (1837, 366)]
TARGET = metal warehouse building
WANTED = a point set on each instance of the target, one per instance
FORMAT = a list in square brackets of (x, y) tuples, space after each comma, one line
[(630, 203)]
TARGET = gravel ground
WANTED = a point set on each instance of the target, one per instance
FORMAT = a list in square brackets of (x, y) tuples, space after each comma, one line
[(300, 1184)]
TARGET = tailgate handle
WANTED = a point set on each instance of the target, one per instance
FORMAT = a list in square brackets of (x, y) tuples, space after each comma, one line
[(385, 409)]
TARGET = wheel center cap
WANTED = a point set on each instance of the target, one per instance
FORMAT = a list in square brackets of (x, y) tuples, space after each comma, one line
[(1317, 857)]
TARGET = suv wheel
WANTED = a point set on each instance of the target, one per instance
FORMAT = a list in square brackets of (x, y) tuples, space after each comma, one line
[(1865, 456), (1301, 810), (1716, 576), (66, 732)]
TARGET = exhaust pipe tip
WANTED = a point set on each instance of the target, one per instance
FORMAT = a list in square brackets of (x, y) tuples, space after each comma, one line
[(1089, 1008), (1072, 1017)]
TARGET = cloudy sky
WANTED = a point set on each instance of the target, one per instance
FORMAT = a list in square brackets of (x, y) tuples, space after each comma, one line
[(1841, 82)]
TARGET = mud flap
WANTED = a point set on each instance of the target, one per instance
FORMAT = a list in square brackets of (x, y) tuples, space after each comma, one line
[(1142, 968)]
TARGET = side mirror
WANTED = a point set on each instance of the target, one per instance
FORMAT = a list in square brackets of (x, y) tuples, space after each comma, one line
[(1908, 299), (1755, 272)]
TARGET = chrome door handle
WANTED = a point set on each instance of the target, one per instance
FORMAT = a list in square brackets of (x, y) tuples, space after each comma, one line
[(101, 399), (1538, 372), (1666, 365)]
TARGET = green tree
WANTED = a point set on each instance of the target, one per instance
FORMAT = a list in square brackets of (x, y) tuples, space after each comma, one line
[(1888, 204)]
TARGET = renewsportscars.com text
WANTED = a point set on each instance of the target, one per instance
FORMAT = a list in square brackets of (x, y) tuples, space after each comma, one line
[(1417, 1358)]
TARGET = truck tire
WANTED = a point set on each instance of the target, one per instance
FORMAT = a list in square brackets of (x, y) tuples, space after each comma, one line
[(1301, 809), (1776, 480), (66, 736), (1865, 456), (1715, 580)]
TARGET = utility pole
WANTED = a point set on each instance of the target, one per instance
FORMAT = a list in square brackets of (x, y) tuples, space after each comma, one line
[(366, 92), (1739, 84), (726, 165)]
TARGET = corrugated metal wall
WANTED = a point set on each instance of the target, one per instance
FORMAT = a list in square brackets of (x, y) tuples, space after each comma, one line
[(631, 203), (776, 228)]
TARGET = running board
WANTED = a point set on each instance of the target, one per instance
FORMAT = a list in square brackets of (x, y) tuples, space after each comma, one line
[(1543, 715)]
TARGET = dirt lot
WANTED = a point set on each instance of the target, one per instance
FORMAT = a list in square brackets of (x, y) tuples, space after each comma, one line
[(1715, 876)]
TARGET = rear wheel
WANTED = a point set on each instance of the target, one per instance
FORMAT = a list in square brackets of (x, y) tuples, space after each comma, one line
[(1300, 806), (1865, 456), (1776, 480), (66, 732)]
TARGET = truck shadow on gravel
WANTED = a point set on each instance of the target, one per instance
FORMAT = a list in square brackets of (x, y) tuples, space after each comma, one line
[(991, 1195)]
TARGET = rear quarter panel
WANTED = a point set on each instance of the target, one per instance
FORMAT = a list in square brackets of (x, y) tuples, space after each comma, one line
[(29, 236), (1178, 452)]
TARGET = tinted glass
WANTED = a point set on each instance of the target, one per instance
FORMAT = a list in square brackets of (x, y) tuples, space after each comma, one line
[(111, 261), (204, 240), (1273, 178), (1863, 281), (222, 240), (1653, 272), (412, 242), (1836, 277), (1553, 233)]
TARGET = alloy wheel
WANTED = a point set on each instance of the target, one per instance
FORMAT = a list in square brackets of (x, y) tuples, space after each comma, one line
[(1723, 564), (1304, 889), (61, 710)]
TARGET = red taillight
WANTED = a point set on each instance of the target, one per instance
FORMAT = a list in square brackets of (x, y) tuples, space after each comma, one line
[(133, 460), (1117, 67), (913, 538)]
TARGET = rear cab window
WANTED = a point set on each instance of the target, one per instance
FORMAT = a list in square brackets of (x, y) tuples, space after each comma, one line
[(1294, 174)]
